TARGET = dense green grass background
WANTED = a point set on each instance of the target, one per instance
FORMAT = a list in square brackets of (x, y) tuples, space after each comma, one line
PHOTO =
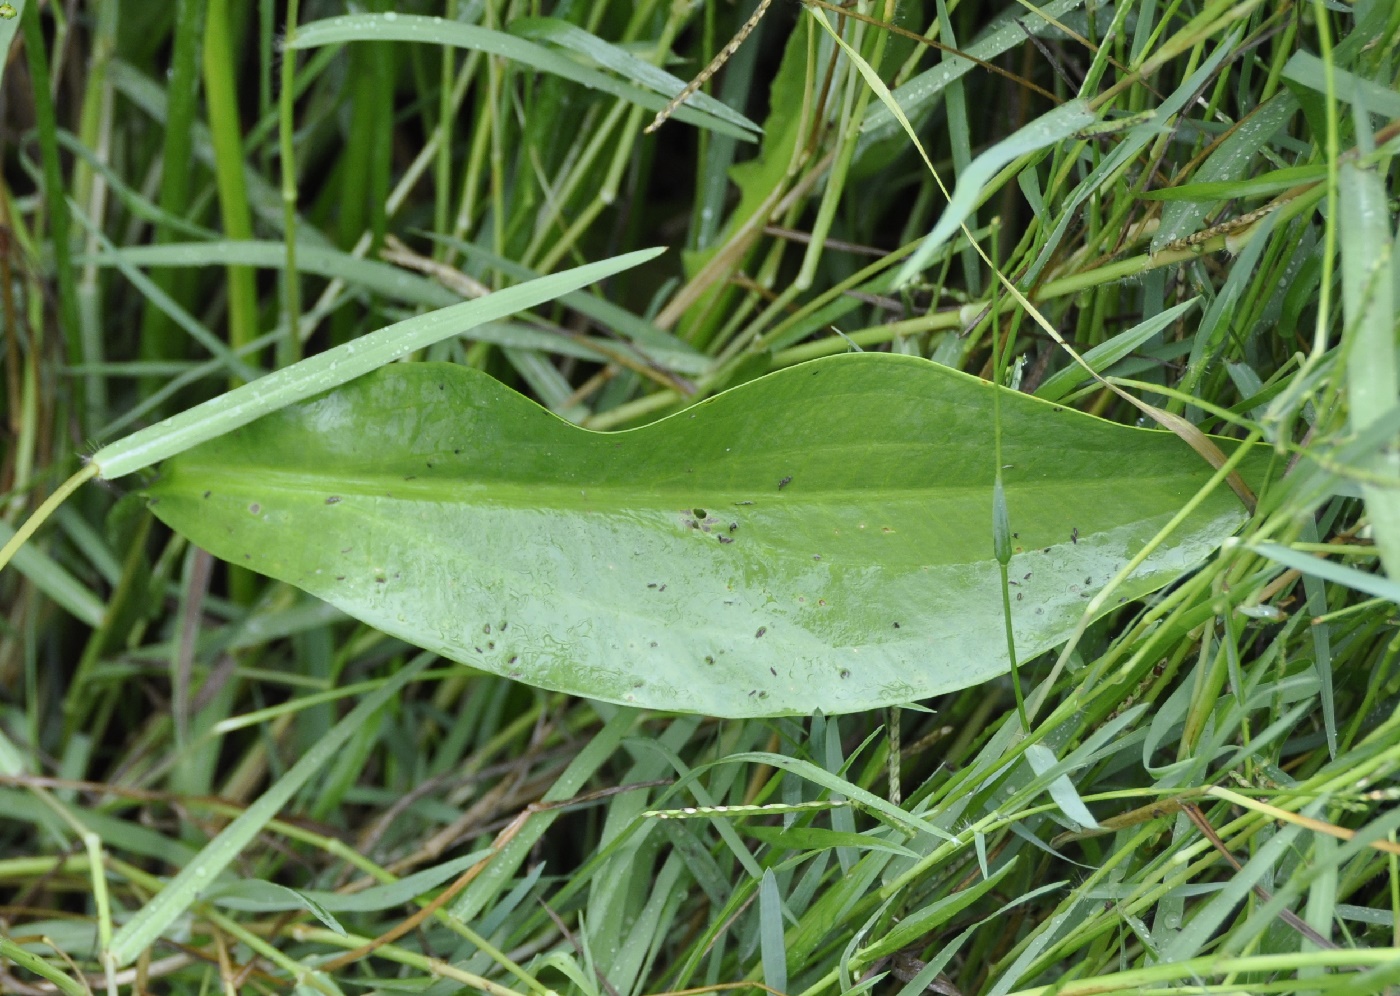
[(1235, 738)]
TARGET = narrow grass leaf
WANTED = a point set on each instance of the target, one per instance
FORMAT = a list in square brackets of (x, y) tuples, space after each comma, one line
[(819, 838), (921, 92), (1264, 185), (1306, 69), (393, 26), (149, 922), (1053, 126), (930, 918), (1231, 160), (340, 364), (1206, 920), (489, 884), (624, 63), (1131, 144), (252, 895), (1062, 790), (1371, 584), (1373, 362), (367, 274), (258, 896), (55, 581), (29, 961), (770, 932)]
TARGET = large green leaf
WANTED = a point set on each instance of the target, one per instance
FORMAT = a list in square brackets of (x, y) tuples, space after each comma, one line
[(817, 538)]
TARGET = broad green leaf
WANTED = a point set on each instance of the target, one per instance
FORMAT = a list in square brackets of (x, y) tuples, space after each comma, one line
[(818, 538)]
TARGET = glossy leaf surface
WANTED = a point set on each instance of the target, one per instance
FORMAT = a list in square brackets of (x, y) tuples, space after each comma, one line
[(817, 538)]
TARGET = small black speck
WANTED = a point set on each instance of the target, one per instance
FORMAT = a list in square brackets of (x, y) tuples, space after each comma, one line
[(333, 500), (699, 513), (709, 660), (456, 452), (733, 526), (340, 577), (753, 693), (486, 628), (410, 477), (1074, 535), (773, 670), (477, 649), (379, 579), (662, 588), (1088, 580), (845, 672), (763, 695), (254, 508), (441, 387), (1122, 600), (784, 482), (652, 585), (1019, 596), (491, 645), (743, 503), (1027, 576), (761, 631), (896, 625), (692, 523), (1046, 550), (653, 643), (816, 556), (430, 465), (247, 556), (208, 493), (725, 539), (503, 626), (513, 659), (1015, 535)]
